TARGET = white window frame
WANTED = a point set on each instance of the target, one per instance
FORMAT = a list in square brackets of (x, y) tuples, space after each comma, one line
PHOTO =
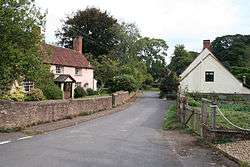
[(59, 69), (78, 71), (28, 85)]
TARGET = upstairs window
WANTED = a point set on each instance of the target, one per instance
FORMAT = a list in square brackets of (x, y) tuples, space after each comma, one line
[(28, 85), (78, 71), (209, 76), (59, 70)]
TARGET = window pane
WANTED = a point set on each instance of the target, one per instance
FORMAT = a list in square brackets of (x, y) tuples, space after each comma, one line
[(209, 76)]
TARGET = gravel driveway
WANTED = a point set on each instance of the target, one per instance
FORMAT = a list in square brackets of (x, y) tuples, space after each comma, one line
[(131, 138)]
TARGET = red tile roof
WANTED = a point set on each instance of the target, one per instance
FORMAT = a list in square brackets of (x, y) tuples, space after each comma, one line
[(63, 56)]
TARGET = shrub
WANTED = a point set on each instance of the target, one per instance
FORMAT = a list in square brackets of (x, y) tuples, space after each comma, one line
[(52, 92), (91, 92), (16, 95), (192, 102), (79, 92), (35, 95), (124, 82)]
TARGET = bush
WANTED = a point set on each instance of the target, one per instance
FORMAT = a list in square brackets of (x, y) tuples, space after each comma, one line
[(35, 95), (16, 95), (124, 82), (91, 92), (79, 92), (192, 102), (52, 92)]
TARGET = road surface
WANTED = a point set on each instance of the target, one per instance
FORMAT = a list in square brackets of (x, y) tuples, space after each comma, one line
[(131, 138)]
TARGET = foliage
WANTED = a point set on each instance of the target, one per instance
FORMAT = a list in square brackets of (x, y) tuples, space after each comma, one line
[(169, 82), (17, 95), (95, 26), (232, 50), (170, 119), (192, 102), (181, 59), (79, 92), (240, 72), (239, 118), (35, 95), (91, 92), (153, 53), (124, 82), (20, 42), (52, 92)]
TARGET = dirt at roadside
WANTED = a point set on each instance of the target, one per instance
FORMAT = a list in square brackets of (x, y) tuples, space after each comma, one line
[(193, 153)]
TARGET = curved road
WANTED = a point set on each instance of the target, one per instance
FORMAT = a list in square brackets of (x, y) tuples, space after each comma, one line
[(131, 138)]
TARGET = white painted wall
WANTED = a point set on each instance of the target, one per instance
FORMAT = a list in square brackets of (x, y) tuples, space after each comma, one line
[(87, 76), (224, 81)]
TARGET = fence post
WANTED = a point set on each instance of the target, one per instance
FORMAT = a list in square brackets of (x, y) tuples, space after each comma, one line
[(213, 114), (184, 105)]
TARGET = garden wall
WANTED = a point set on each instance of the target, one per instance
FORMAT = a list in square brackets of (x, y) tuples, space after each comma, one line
[(23, 114), (120, 98)]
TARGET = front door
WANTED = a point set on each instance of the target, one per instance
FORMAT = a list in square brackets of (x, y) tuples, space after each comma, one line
[(67, 90)]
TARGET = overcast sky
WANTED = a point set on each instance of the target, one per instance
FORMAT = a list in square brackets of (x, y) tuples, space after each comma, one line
[(185, 22)]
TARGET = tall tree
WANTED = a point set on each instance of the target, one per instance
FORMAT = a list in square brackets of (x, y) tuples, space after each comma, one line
[(96, 27), (233, 50), (20, 42), (181, 59), (152, 52)]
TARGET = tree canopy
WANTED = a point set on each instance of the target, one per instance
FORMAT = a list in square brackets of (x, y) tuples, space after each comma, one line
[(233, 50), (96, 27), (181, 59), (20, 42)]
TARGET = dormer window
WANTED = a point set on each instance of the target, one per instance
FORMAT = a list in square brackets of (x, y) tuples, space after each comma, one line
[(78, 71), (59, 69)]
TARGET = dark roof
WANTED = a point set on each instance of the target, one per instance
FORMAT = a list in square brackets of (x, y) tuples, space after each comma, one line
[(64, 77), (63, 56)]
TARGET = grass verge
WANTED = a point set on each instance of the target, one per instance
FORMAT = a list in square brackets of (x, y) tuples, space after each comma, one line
[(170, 119)]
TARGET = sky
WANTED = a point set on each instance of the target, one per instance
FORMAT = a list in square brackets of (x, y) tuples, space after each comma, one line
[(186, 22)]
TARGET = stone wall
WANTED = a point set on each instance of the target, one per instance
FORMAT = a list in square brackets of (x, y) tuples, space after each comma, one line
[(23, 114), (121, 97)]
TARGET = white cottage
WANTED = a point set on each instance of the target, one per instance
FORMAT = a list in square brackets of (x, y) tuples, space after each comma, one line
[(207, 75)]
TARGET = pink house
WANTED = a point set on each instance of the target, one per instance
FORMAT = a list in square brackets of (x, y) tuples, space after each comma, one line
[(70, 68)]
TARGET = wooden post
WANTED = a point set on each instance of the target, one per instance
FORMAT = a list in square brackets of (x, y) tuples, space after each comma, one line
[(213, 114)]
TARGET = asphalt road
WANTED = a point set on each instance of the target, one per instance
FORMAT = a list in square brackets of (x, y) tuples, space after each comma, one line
[(131, 138)]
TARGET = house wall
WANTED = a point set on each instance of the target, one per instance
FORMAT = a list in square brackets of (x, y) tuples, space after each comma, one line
[(224, 81), (87, 76)]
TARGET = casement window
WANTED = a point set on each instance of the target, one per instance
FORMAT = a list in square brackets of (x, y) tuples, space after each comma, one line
[(78, 71), (78, 84), (28, 85), (209, 76), (59, 69)]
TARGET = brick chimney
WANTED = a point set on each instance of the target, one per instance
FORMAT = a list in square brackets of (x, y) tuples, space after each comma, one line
[(206, 44), (78, 44)]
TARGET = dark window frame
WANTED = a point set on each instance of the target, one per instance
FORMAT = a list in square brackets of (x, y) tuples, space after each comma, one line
[(209, 76)]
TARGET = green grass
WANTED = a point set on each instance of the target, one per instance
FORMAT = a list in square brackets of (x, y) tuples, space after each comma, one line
[(170, 119), (237, 113), (244, 164)]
